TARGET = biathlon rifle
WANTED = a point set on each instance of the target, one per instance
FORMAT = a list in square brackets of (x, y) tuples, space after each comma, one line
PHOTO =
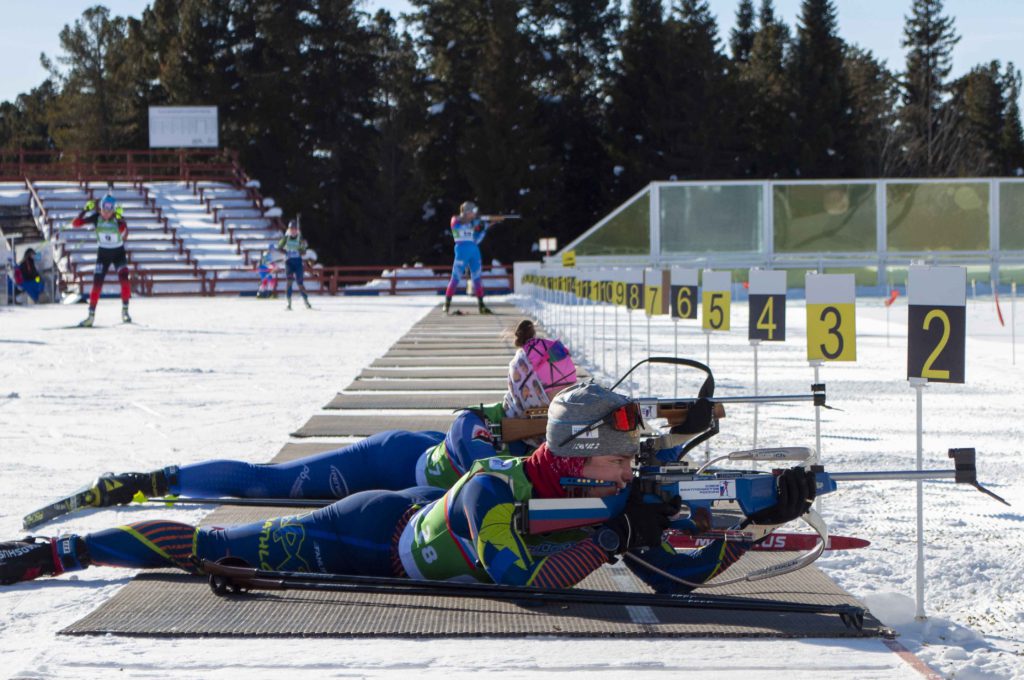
[(500, 218), (691, 421)]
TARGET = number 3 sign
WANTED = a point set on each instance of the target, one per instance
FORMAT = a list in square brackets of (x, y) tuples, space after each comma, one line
[(831, 318), (937, 325)]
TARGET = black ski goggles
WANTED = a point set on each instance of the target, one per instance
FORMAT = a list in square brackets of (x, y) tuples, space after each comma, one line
[(625, 418)]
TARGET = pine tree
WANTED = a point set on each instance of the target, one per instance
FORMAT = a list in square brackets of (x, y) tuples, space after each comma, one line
[(979, 99), (767, 127), (398, 190), (636, 112), (822, 95), (24, 123), (700, 125), (91, 111), (576, 40), (930, 38), (1011, 138), (741, 38), (874, 94)]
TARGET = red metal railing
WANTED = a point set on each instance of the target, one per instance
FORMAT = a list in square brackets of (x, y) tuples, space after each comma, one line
[(123, 165)]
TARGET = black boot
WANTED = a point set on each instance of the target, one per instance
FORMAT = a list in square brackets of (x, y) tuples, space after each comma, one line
[(447, 304), (111, 489), (482, 307), (33, 557)]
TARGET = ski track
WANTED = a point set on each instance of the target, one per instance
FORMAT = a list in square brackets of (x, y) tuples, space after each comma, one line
[(231, 377)]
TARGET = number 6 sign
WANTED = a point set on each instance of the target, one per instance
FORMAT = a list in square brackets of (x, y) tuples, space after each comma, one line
[(831, 318), (937, 325)]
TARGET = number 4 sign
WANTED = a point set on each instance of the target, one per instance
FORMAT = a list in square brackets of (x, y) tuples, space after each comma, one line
[(937, 325), (831, 318), (767, 305)]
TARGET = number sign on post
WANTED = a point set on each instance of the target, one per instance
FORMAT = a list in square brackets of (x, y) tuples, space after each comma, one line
[(831, 318), (634, 279), (937, 325), (767, 305), (716, 298), (684, 293), (653, 287)]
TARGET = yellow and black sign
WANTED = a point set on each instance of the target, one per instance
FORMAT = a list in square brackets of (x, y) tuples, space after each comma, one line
[(767, 305), (716, 301), (767, 317), (683, 289), (634, 296), (831, 317), (569, 258), (831, 332), (654, 285), (937, 323)]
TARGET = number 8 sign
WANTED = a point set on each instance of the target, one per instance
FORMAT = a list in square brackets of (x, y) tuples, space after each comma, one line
[(831, 317), (937, 325)]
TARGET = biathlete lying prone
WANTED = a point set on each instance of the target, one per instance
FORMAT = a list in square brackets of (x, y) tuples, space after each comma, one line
[(470, 531)]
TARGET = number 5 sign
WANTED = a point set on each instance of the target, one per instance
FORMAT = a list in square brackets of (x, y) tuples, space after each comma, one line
[(937, 323), (831, 318), (716, 297)]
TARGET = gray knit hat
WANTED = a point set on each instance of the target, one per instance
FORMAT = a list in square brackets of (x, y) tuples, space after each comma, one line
[(573, 409)]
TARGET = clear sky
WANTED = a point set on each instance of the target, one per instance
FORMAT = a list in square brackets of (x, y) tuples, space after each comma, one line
[(989, 29)]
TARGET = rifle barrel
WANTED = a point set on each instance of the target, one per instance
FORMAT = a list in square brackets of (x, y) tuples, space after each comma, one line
[(909, 475)]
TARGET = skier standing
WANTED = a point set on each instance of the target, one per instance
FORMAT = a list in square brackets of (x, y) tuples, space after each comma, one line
[(468, 230), (294, 248), (111, 233)]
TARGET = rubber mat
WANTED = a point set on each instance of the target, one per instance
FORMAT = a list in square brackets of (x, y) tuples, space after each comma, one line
[(385, 400), (364, 426), (498, 354), (426, 359), (451, 373), (171, 604), (427, 385)]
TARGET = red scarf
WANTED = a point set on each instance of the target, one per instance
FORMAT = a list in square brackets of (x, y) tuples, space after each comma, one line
[(545, 470)]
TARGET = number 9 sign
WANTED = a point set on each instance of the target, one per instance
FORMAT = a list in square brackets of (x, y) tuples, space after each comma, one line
[(937, 325), (831, 318)]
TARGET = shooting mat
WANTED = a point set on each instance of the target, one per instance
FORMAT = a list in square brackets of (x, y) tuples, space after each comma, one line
[(166, 603)]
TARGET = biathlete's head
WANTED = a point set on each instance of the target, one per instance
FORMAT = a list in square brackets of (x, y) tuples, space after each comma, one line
[(592, 433), (108, 204), (468, 210), (540, 369), (293, 228)]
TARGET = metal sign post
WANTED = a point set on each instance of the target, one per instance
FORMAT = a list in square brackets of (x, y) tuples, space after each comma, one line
[(936, 344)]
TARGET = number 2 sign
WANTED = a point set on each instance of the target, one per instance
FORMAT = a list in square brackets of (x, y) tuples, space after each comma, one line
[(937, 325)]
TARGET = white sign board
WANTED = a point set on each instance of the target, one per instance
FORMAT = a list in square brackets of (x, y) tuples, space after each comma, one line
[(183, 126)]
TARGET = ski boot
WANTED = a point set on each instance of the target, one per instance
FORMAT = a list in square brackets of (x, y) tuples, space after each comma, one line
[(33, 557), (289, 304), (121, 489), (125, 317), (447, 308), (482, 307), (88, 321), (306, 301)]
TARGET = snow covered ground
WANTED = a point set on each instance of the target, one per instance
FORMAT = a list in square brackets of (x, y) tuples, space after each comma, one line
[(197, 378)]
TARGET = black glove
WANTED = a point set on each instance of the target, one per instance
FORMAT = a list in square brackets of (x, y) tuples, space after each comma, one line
[(796, 490), (641, 524), (698, 418)]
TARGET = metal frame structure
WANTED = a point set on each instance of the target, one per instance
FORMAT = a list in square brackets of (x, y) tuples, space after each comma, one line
[(766, 256)]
